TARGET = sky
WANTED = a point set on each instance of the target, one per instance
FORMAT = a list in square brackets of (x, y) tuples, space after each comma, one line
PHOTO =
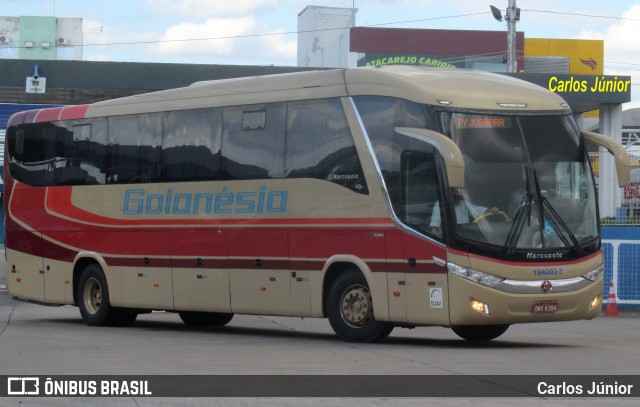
[(262, 32)]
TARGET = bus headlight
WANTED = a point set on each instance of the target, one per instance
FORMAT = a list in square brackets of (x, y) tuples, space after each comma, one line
[(474, 275), (594, 275)]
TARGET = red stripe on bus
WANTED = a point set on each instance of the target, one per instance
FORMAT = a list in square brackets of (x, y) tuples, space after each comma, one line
[(306, 265), (267, 264), (152, 262), (377, 266), (30, 243), (204, 264), (74, 112), (51, 114), (24, 241)]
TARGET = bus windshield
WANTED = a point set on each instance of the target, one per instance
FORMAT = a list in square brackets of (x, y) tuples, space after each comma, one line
[(528, 184)]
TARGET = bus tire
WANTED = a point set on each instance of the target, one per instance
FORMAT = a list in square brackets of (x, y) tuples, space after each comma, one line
[(193, 318), (479, 333), (93, 301), (350, 310)]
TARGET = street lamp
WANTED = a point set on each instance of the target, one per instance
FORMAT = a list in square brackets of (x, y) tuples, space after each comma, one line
[(496, 13)]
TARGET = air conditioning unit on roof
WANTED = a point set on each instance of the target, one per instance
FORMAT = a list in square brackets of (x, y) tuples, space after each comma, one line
[(4, 39), (62, 41)]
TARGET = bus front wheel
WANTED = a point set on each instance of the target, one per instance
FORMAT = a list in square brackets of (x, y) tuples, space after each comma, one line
[(479, 333), (93, 301), (350, 310)]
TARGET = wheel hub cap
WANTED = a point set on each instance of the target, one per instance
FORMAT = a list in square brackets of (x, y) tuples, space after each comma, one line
[(356, 307)]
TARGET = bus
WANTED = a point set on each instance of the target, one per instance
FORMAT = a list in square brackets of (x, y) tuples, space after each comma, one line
[(374, 197)]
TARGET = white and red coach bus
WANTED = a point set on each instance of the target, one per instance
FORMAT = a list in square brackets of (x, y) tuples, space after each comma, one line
[(375, 197)]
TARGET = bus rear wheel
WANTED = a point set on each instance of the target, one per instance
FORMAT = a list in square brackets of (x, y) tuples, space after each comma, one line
[(479, 333), (350, 310), (93, 301), (193, 318)]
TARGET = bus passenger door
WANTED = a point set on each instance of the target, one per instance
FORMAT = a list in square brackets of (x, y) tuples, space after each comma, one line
[(200, 271), (259, 274)]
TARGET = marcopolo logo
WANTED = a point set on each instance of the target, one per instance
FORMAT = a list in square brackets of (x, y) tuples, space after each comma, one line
[(139, 202)]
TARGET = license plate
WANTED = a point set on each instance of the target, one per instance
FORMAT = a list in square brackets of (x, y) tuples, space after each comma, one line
[(545, 307)]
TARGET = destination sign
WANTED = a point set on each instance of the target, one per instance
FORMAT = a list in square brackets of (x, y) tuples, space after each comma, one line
[(466, 121)]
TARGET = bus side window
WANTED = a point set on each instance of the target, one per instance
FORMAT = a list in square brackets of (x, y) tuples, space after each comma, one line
[(19, 143), (33, 155), (320, 145), (253, 141), (90, 140), (191, 145), (380, 116), (420, 195), (134, 148), (80, 153)]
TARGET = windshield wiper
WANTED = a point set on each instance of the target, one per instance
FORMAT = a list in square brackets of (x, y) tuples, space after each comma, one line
[(522, 216), (524, 213), (556, 219)]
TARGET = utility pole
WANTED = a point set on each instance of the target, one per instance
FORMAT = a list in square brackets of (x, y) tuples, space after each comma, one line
[(513, 15)]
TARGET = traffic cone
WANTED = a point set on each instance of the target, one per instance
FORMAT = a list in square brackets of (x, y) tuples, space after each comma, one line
[(612, 305)]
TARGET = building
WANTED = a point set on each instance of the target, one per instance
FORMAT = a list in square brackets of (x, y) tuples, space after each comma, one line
[(564, 56), (324, 37), (482, 50), (41, 38)]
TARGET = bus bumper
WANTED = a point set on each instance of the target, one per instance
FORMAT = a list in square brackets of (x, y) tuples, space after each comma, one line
[(474, 304)]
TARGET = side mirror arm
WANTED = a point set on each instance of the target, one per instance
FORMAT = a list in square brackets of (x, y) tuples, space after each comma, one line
[(623, 166), (453, 160)]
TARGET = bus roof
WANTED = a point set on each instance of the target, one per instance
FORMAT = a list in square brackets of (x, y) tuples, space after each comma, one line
[(457, 88)]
